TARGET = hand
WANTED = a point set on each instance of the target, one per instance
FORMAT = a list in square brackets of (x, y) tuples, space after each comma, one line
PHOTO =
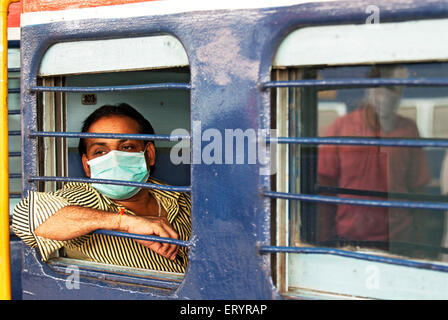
[(153, 226)]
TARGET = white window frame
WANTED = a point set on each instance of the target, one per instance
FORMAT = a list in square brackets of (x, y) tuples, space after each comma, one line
[(96, 56)]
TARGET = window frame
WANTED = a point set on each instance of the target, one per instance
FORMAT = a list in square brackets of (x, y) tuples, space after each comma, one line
[(297, 41), (158, 282)]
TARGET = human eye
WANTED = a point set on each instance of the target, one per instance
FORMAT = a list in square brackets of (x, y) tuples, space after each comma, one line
[(128, 147), (99, 152)]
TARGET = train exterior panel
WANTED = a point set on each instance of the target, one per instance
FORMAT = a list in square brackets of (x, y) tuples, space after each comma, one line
[(230, 49)]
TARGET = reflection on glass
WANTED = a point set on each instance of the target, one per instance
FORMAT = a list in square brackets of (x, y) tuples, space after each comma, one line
[(377, 172)]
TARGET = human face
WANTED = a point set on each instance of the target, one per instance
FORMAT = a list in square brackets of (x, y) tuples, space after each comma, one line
[(97, 147)]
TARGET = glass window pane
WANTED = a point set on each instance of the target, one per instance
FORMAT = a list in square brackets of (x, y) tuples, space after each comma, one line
[(440, 117), (370, 172), (408, 112)]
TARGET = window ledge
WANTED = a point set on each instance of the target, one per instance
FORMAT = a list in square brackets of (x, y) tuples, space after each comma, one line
[(165, 281)]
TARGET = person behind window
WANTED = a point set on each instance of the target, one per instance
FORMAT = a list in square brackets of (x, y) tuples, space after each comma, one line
[(373, 168), (67, 217)]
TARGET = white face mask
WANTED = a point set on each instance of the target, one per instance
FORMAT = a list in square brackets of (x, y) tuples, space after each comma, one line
[(119, 165), (385, 102)]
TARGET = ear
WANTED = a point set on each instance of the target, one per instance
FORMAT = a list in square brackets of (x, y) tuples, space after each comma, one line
[(85, 166), (150, 154)]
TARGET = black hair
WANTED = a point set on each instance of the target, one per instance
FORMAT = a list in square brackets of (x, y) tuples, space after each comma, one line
[(383, 70), (122, 109)]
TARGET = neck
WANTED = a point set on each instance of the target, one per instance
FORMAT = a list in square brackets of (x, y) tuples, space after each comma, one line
[(140, 204), (372, 118), (377, 124)]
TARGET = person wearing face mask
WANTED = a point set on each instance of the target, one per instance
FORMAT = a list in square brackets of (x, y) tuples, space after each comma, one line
[(372, 168), (67, 217)]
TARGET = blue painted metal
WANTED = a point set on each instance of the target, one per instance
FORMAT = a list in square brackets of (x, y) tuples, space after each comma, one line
[(355, 255), (13, 70), (143, 237), (356, 83), (13, 44), (164, 282), (152, 86), (14, 90), (13, 112), (381, 194), (157, 137), (117, 182), (15, 154), (14, 133), (385, 142), (230, 217), (357, 202), (16, 267)]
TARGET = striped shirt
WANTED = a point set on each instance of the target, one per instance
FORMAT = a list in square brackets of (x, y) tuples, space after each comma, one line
[(39, 206)]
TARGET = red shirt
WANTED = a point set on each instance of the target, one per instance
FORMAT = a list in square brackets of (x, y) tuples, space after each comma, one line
[(375, 168)]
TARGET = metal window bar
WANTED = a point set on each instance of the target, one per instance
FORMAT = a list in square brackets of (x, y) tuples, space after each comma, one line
[(385, 142), (345, 84), (358, 202), (116, 182), (13, 70), (135, 236), (380, 194), (157, 137), (355, 255), (140, 87), (348, 83)]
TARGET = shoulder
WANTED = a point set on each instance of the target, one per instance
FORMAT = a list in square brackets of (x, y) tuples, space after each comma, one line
[(166, 192), (77, 188), (80, 193), (407, 126)]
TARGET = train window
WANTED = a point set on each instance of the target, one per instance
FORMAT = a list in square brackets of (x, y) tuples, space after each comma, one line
[(408, 112), (333, 172), (440, 113), (328, 112), (111, 64)]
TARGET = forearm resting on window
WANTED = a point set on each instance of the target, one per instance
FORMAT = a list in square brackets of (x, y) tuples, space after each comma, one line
[(72, 222)]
